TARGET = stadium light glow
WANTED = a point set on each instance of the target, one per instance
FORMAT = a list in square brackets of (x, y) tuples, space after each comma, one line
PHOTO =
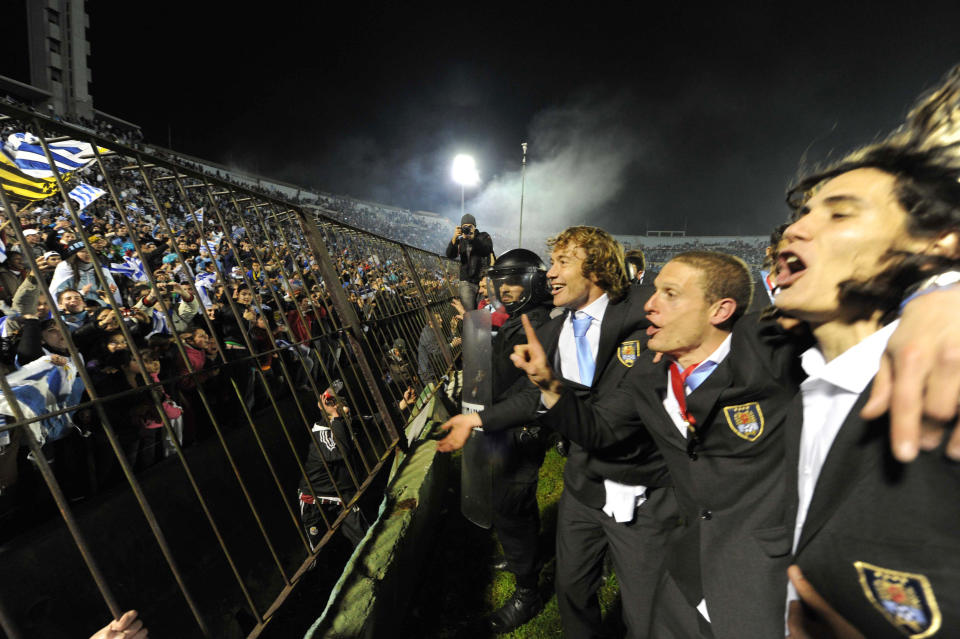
[(464, 171)]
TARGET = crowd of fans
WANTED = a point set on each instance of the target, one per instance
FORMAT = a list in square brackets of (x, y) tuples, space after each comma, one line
[(753, 253), (235, 295)]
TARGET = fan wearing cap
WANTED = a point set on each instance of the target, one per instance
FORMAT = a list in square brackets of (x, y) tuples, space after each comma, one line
[(518, 281), (328, 485), (34, 242), (474, 249)]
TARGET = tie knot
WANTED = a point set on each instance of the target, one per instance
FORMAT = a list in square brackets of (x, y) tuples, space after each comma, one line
[(581, 324)]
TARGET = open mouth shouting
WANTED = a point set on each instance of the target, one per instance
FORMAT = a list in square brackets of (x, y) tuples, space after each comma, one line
[(790, 268)]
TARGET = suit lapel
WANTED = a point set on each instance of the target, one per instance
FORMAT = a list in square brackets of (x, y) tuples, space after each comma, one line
[(702, 400), (610, 329), (843, 465), (659, 390)]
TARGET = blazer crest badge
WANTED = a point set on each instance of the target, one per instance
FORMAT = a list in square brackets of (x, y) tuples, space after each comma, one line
[(628, 352), (905, 599), (745, 420)]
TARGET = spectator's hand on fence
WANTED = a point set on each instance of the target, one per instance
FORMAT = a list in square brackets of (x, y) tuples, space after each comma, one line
[(459, 427), (126, 627), (409, 398), (456, 341), (532, 360)]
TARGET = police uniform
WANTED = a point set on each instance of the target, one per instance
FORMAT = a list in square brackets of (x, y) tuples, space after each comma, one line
[(585, 533), (330, 489), (518, 448), (729, 478), (880, 540)]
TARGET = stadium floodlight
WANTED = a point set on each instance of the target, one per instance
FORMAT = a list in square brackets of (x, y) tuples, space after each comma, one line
[(465, 174), (465, 171)]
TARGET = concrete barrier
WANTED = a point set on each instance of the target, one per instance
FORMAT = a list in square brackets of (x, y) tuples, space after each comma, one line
[(381, 576)]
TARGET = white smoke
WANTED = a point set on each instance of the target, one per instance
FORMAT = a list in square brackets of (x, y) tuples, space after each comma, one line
[(578, 160)]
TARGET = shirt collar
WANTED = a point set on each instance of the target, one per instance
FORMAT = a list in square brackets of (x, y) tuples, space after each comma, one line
[(853, 369), (596, 308), (718, 355)]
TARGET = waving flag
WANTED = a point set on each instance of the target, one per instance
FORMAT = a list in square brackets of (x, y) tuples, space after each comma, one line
[(85, 194), (197, 215), (132, 267), (42, 387), (28, 155), (16, 182), (206, 282)]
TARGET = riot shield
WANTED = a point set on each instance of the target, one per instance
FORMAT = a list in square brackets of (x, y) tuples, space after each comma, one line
[(476, 473)]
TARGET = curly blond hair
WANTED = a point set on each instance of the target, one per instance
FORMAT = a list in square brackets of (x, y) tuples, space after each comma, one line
[(604, 258)]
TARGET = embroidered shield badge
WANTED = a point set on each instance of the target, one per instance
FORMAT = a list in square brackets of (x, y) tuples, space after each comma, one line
[(628, 352), (745, 420), (905, 599)]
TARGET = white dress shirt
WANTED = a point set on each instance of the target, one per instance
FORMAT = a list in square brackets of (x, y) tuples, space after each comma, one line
[(567, 343), (621, 499), (829, 393)]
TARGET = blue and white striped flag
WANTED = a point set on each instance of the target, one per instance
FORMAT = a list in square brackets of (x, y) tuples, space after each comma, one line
[(132, 267), (42, 387), (27, 153), (135, 208), (3, 252), (205, 284), (197, 215), (85, 194)]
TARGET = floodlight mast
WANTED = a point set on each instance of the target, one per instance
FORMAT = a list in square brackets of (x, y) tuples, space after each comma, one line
[(465, 174), (523, 176)]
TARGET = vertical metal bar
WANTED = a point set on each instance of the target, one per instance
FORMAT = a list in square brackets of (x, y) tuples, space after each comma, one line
[(350, 318), (108, 429), (157, 401)]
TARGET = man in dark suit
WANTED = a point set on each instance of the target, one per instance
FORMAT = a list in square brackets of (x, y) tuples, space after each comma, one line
[(617, 501), (636, 270), (722, 443), (877, 538)]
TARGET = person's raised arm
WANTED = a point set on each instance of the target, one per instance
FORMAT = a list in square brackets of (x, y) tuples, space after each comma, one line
[(919, 377)]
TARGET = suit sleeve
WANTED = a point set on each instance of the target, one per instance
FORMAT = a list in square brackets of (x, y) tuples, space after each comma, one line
[(597, 426), (517, 409)]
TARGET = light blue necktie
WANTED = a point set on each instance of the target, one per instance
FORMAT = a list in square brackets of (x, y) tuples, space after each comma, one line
[(699, 374), (584, 355)]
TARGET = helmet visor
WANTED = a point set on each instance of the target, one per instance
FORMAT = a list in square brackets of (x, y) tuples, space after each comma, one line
[(511, 290)]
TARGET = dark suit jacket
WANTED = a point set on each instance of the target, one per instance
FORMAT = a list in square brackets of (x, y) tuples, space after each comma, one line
[(736, 546), (881, 541), (634, 459)]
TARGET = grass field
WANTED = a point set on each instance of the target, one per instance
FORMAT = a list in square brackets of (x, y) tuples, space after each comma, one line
[(458, 588)]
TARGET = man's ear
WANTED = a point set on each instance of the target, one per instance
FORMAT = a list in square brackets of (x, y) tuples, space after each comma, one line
[(947, 245), (722, 310)]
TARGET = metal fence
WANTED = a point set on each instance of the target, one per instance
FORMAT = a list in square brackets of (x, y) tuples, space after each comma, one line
[(205, 381)]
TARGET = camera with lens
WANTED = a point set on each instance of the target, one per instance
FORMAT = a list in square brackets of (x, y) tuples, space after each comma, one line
[(468, 230)]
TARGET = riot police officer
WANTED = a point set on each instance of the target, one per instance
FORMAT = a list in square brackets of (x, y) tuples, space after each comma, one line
[(518, 284)]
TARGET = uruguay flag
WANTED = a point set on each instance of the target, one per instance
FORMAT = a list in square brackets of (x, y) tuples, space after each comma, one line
[(84, 195), (205, 284), (41, 387), (132, 267), (27, 154)]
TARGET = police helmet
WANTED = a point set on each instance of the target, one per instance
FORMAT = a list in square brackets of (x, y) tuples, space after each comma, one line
[(518, 281)]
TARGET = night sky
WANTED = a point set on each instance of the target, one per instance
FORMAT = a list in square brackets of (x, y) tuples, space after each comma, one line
[(638, 118)]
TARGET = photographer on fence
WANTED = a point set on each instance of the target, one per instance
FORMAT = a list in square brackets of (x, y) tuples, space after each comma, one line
[(473, 248)]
